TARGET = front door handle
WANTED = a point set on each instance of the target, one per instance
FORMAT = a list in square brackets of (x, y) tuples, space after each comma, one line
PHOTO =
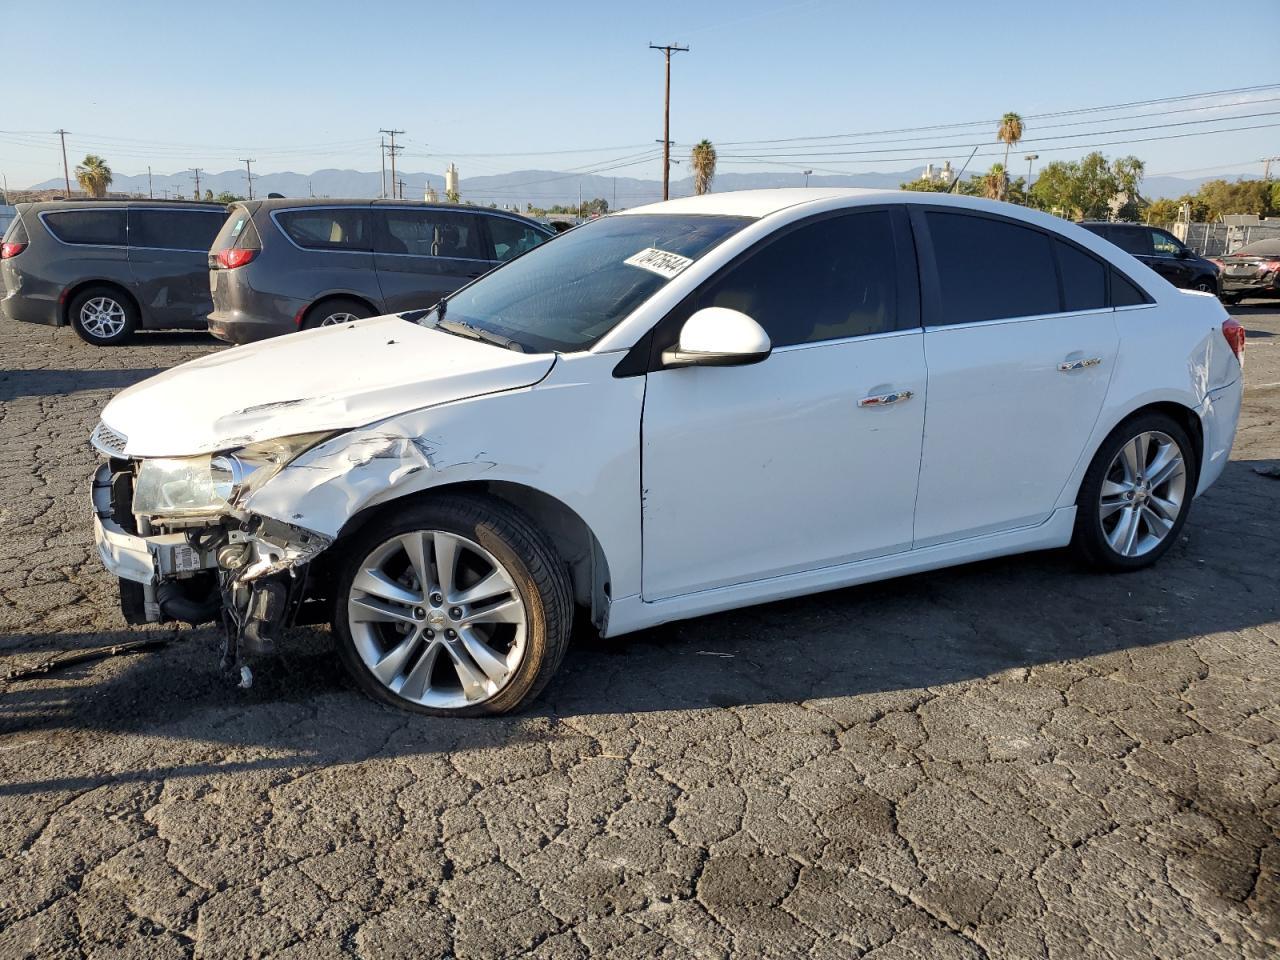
[(886, 399), (1066, 366)]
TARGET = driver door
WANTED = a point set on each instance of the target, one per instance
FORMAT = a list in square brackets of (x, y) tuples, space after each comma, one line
[(790, 464)]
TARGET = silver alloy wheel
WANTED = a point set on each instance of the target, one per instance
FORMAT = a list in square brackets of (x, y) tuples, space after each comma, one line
[(1142, 493), (1204, 286), (437, 619), (333, 319), (102, 317)]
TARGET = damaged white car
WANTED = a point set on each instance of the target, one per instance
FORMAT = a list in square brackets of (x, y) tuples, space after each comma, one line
[(684, 408)]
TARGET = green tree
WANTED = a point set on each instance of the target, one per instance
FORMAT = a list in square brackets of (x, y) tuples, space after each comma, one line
[(1009, 133), (702, 161), (93, 175), (1086, 189), (226, 196), (1162, 211), (994, 182), (452, 196), (1244, 196), (926, 186)]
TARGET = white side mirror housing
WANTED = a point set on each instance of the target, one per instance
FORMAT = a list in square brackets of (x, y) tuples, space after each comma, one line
[(719, 337)]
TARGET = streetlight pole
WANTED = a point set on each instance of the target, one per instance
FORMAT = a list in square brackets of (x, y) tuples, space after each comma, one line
[(668, 49), (806, 176), (1030, 158)]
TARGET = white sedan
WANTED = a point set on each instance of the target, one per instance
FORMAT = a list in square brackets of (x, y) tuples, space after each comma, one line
[(683, 408)]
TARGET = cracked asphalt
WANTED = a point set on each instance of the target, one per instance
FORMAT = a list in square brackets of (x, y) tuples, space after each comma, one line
[(1009, 759)]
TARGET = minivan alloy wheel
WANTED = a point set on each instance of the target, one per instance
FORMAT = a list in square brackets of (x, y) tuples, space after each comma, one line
[(333, 319), (437, 619), (102, 317), (1142, 493)]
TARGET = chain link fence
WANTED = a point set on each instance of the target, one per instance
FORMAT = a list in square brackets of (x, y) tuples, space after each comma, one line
[(1219, 239)]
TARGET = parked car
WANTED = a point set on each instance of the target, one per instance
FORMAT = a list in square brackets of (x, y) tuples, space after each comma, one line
[(1252, 271), (679, 409), (1162, 252), (109, 267), (282, 265)]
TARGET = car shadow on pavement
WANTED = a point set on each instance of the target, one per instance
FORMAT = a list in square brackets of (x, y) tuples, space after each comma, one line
[(1024, 613), (58, 383)]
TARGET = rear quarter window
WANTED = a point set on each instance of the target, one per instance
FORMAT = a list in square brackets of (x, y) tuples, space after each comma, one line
[(328, 229), (237, 231), (101, 227), (16, 231)]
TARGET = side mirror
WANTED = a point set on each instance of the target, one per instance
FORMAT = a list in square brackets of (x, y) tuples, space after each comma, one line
[(1184, 253), (719, 337)]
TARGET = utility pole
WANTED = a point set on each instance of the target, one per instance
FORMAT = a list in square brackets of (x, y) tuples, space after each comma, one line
[(248, 175), (668, 49), (196, 171), (382, 152), (392, 149), (1266, 166), (66, 171), (150, 192), (401, 185)]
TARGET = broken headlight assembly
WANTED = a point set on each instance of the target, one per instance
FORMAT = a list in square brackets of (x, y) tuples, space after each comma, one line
[(212, 484)]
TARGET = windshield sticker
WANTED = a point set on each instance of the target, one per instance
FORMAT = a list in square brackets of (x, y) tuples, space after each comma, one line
[(657, 261)]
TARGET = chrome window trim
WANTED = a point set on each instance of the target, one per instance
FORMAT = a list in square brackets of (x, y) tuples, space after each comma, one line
[(837, 341), (1093, 311)]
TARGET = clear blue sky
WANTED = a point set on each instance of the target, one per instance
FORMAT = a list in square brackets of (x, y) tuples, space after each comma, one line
[(303, 86)]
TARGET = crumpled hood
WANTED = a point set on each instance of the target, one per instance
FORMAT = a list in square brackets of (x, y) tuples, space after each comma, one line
[(333, 378)]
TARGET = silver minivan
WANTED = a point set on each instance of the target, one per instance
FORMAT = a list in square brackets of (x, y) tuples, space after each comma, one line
[(282, 265)]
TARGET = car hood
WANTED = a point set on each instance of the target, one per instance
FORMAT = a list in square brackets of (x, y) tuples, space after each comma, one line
[(332, 378)]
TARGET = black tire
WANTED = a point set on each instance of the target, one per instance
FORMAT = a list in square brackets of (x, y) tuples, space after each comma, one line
[(541, 578), (1090, 540), (1230, 299), (113, 299), (1205, 285), (324, 312)]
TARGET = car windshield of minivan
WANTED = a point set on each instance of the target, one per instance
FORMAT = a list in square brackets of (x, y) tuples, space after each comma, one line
[(569, 292)]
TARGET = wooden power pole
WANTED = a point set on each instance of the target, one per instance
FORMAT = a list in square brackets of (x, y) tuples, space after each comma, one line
[(668, 49)]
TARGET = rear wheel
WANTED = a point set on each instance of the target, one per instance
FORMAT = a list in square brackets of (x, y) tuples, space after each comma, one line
[(1230, 299), (1136, 494), (103, 316), (331, 313), (456, 606)]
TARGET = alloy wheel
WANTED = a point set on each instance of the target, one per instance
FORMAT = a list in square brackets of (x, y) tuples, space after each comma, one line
[(437, 619), (103, 318), (1142, 493)]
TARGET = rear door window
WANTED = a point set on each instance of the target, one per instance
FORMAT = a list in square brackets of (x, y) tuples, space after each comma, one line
[(431, 233), (101, 227), (510, 238), (991, 269), (193, 230), (1084, 279), (1134, 241), (336, 228)]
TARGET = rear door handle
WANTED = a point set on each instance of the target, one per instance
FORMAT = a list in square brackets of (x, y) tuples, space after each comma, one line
[(886, 399), (1066, 366)]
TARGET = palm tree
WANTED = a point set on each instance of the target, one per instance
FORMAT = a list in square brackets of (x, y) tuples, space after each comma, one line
[(994, 182), (93, 175), (1010, 132), (703, 161)]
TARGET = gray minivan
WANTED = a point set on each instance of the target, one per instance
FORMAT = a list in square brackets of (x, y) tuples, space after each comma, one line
[(109, 267), (282, 265)]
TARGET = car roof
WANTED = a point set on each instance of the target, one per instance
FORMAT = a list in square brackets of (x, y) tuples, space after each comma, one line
[(43, 206), (756, 203), (280, 203)]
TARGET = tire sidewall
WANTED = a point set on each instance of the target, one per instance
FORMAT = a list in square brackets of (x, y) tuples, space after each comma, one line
[(482, 522), (1090, 539), (322, 311), (130, 316)]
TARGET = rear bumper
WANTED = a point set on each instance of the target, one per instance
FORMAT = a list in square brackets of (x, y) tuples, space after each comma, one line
[(14, 306), (1268, 286), (234, 326), (1219, 415)]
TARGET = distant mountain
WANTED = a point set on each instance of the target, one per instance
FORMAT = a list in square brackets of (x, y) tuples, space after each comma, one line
[(542, 188)]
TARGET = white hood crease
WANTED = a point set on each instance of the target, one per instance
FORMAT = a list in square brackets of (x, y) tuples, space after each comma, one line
[(333, 378)]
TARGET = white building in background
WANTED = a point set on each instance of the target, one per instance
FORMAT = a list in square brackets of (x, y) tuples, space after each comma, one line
[(430, 195), (943, 175), (451, 181)]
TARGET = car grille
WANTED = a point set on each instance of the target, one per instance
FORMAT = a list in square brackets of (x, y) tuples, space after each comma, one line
[(107, 441)]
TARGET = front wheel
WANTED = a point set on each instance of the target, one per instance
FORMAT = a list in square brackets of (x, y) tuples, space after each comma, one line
[(1205, 285), (457, 606), (1136, 494)]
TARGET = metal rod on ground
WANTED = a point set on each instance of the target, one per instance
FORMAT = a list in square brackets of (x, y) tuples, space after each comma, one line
[(668, 49), (66, 171)]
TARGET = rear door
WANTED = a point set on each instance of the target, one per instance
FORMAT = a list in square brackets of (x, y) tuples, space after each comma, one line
[(332, 252), (1019, 363), (423, 254), (168, 257)]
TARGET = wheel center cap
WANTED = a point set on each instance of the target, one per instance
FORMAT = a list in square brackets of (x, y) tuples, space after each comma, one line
[(436, 618)]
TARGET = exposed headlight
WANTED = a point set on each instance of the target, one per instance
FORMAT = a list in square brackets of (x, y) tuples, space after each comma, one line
[(199, 486)]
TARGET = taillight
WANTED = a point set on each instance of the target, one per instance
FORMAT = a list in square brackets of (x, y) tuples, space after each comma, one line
[(11, 249), (1234, 334), (1269, 265), (238, 257)]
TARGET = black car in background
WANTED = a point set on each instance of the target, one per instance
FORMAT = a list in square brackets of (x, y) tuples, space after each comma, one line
[(282, 265), (1162, 252), (1252, 271), (109, 267)]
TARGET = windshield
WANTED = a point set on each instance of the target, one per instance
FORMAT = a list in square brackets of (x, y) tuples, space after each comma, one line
[(569, 292)]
